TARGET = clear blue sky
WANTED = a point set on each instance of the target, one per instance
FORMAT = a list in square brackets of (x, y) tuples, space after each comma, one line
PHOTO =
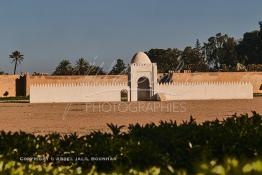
[(48, 31)]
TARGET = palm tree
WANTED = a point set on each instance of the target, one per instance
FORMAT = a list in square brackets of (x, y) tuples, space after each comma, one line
[(64, 68), (81, 67), (17, 58)]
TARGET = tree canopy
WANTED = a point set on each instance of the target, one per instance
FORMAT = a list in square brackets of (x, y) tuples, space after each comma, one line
[(119, 68), (220, 52), (64, 68), (166, 59), (250, 47), (193, 59), (82, 67)]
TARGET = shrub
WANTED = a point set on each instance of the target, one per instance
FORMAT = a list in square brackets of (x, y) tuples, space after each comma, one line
[(166, 145), (6, 93)]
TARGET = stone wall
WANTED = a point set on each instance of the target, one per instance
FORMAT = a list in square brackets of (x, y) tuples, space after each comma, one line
[(8, 85), (82, 92), (206, 91), (75, 79), (255, 78), (8, 82)]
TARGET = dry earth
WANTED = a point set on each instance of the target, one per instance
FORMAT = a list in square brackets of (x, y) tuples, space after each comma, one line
[(83, 118)]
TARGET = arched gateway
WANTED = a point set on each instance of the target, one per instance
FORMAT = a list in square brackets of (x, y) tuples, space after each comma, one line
[(143, 89), (142, 78)]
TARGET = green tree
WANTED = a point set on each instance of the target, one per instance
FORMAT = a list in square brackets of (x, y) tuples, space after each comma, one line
[(194, 59), (250, 47), (95, 70), (81, 67), (213, 50), (119, 68), (220, 50), (229, 55), (17, 58), (166, 59), (64, 68)]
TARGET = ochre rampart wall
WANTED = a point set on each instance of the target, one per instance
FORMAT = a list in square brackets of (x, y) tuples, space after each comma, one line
[(8, 85), (8, 82), (255, 78), (33, 80)]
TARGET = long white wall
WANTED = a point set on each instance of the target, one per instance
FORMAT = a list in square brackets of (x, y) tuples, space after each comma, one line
[(57, 93), (205, 91)]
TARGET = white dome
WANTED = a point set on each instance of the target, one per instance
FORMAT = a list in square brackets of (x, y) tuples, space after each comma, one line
[(140, 57)]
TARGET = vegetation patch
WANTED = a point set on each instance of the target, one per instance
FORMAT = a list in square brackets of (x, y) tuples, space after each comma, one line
[(18, 99), (257, 94), (229, 166), (15, 98), (167, 146)]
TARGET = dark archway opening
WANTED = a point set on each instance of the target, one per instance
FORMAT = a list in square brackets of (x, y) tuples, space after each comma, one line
[(143, 89), (20, 84)]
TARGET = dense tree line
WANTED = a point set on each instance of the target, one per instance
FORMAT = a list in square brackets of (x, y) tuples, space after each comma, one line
[(83, 67), (220, 53)]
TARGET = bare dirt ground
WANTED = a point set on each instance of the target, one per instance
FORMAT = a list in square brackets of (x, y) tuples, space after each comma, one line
[(82, 118)]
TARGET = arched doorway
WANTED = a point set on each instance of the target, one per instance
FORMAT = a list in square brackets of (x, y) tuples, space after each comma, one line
[(143, 89), (124, 95)]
